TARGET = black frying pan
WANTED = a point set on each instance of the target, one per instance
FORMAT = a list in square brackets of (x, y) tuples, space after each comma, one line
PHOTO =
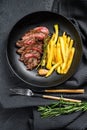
[(48, 19)]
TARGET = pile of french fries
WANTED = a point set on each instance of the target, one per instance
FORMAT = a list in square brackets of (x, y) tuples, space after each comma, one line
[(59, 53)]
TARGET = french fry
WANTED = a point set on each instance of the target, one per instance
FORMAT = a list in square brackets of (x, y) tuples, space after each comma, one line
[(51, 44), (52, 69), (56, 32), (50, 52), (71, 43), (54, 60), (59, 57), (64, 37), (68, 40), (70, 59), (58, 69), (66, 55), (62, 44), (49, 62)]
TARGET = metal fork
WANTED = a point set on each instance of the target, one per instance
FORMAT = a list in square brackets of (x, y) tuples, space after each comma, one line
[(30, 93), (20, 91)]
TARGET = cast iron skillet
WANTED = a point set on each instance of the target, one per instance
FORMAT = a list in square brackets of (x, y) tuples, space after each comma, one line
[(48, 19)]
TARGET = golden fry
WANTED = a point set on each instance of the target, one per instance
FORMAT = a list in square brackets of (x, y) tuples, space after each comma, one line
[(52, 69), (71, 43), (51, 44), (68, 40), (70, 59), (62, 44)]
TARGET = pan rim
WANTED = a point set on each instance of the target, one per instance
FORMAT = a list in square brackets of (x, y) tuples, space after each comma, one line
[(29, 83)]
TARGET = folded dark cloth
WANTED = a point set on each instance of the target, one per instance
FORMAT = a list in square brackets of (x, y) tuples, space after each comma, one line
[(15, 119), (74, 121)]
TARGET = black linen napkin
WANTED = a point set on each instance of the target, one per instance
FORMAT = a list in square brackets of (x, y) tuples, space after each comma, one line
[(76, 12), (15, 119), (74, 121)]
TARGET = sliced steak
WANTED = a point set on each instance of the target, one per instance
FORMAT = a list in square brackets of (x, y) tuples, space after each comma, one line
[(30, 46)]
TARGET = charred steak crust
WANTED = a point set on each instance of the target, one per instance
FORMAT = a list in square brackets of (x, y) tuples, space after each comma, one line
[(30, 47)]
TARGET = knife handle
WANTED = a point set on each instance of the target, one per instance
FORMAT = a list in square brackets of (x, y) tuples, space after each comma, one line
[(59, 98), (65, 90)]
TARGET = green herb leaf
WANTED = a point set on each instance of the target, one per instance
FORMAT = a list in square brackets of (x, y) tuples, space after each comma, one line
[(61, 107)]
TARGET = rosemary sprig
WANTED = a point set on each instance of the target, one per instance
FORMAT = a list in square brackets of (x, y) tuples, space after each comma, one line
[(60, 108), (43, 59)]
